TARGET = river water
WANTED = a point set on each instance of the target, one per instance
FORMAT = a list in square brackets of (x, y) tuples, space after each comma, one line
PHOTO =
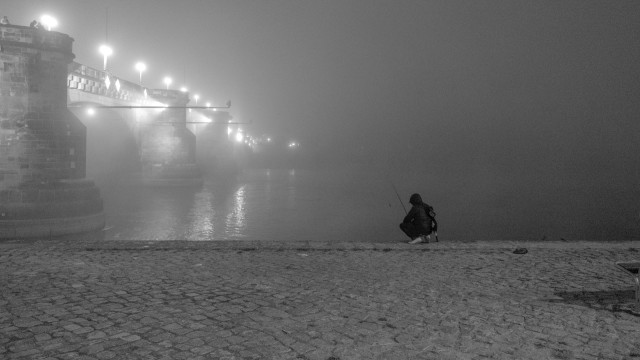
[(359, 203), (259, 204)]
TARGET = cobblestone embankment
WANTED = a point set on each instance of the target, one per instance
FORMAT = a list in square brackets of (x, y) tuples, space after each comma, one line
[(253, 300)]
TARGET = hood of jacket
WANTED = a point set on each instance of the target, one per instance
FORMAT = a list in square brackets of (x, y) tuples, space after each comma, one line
[(415, 199)]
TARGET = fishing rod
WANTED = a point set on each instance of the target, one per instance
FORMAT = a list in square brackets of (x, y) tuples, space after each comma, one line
[(398, 195), (393, 185)]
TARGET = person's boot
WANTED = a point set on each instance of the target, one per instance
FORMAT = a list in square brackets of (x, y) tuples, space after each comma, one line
[(417, 240)]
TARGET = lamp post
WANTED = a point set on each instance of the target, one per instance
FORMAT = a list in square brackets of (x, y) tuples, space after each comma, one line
[(48, 21), (196, 96), (167, 81), (141, 67), (106, 51)]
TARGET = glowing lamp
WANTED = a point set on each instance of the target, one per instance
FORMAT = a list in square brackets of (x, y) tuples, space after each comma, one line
[(167, 81), (141, 67), (106, 51), (48, 21)]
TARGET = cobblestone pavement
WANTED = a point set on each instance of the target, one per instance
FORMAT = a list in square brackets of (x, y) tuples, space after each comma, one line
[(251, 300)]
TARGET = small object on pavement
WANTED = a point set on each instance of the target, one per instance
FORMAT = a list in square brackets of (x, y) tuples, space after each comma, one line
[(633, 267), (520, 251)]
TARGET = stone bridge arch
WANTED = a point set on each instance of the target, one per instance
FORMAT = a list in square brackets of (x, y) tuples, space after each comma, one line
[(165, 147), (112, 142)]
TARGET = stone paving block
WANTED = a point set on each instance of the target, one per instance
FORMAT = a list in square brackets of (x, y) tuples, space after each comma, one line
[(42, 337), (202, 350), (26, 322), (26, 353), (105, 355), (96, 335), (72, 327)]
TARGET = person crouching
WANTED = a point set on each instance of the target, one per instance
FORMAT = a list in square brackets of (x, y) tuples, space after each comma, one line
[(417, 224)]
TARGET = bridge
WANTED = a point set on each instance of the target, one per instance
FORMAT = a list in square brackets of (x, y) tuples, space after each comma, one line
[(48, 106)]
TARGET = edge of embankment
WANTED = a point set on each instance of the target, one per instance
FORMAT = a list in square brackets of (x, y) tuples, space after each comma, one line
[(251, 245)]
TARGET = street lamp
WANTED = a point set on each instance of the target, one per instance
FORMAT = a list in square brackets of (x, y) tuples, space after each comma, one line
[(141, 67), (48, 21), (106, 51), (208, 104), (183, 89), (167, 81), (196, 96)]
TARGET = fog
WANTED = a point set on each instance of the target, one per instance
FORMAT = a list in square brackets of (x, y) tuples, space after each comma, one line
[(482, 105)]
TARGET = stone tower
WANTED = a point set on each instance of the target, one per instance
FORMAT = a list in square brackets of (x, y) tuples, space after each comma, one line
[(43, 189)]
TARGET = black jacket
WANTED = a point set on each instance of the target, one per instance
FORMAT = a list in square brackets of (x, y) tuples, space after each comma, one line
[(420, 215)]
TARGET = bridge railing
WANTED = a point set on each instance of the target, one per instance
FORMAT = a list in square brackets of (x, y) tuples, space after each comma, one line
[(99, 82)]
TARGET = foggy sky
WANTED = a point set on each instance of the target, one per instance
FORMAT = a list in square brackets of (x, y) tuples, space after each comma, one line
[(521, 87)]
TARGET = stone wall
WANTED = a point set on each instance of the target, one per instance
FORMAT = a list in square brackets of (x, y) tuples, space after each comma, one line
[(40, 140)]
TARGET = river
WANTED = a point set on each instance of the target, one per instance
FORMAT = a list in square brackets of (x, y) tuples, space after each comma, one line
[(360, 204)]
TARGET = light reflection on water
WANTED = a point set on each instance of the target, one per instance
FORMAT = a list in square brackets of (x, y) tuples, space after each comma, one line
[(235, 224), (261, 204), (201, 216)]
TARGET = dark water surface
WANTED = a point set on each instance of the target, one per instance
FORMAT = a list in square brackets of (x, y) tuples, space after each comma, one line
[(355, 203)]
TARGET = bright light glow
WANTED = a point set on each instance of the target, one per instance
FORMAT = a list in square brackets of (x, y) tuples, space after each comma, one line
[(48, 21), (91, 111), (183, 89), (106, 51), (196, 96), (167, 81), (229, 130), (141, 67), (208, 104), (239, 137), (117, 84), (268, 139)]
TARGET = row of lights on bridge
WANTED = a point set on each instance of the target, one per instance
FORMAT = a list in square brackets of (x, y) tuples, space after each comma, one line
[(49, 22), (141, 67)]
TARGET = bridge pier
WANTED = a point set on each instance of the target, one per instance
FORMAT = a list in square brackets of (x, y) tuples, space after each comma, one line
[(167, 147), (43, 189)]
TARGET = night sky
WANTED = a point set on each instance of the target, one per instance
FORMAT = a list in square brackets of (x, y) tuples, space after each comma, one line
[(530, 90)]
